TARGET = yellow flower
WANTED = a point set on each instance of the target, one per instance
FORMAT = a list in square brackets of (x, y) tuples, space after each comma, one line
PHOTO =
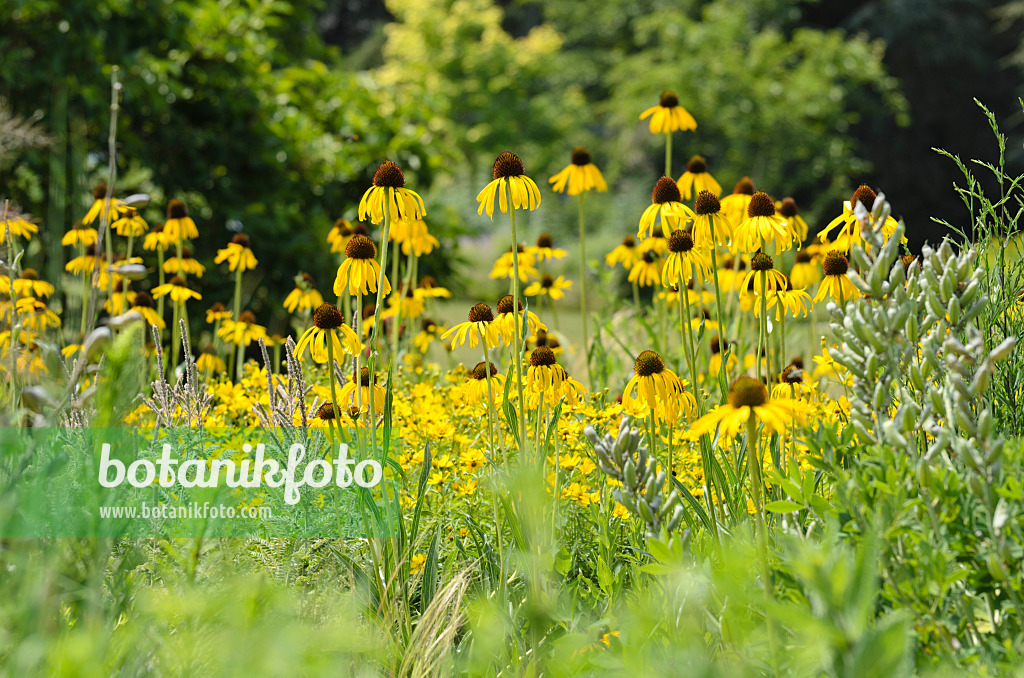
[(624, 254), (79, 234), (29, 284), (507, 322), (243, 331), (15, 223), (668, 116), (187, 265), (120, 300), (475, 389), (710, 227), (99, 200), (217, 312), (545, 249), (472, 460), (762, 278), (209, 362), (35, 315), (177, 290), (417, 563), (656, 389), (179, 225), (348, 392), (328, 326), (429, 330), (481, 322), (504, 268), (683, 260), (157, 239), (544, 373), (646, 271), (666, 204), (552, 287), (805, 271), (761, 227), (836, 281), (339, 235), (748, 395), (849, 233), (787, 209), (735, 205), (143, 305), (796, 301), (388, 192), (696, 178), (238, 254), (131, 223), (580, 175), (414, 237), (509, 174), (360, 272), (304, 297), (464, 489)]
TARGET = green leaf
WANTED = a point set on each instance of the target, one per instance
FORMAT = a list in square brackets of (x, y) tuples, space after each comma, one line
[(782, 506)]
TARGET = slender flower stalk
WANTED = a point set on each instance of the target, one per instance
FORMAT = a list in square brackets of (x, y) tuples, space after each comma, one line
[(710, 230)]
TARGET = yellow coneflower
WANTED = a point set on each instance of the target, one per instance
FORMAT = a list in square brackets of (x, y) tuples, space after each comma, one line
[(710, 227), (657, 243), (15, 223), (210, 362), (238, 254), (792, 382), (475, 390), (683, 260), (120, 299), (29, 284), (79, 234), (730, 275), (388, 192), (666, 205), (656, 389), (304, 297), (509, 173), (429, 330), (157, 239), (715, 361), (415, 238), (761, 227), (480, 323), (87, 262), (625, 254), (35, 316), (99, 200), (429, 289), (131, 223), (580, 175), (646, 272), (696, 178), (143, 305), (735, 204), (762, 278), (668, 116), (360, 272), (243, 331), (748, 396), (328, 336), (544, 373), (788, 211), (407, 304), (187, 265), (789, 298), (509, 324), (849, 233), (548, 286), (216, 313), (836, 280), (339, 235), (505, 267), (805, 272), (545, 249), (179, 225), (178, 291), (348, 395)]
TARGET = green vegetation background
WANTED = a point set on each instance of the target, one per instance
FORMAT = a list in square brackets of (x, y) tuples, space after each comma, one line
[(272, 114)]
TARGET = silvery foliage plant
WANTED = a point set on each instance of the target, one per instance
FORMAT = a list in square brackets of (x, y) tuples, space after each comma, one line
[(645, 491), (919, 364)]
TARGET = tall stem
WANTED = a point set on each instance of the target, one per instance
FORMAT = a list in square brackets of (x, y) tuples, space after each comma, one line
[(754, 466), (490, 393), (372, 359), (583, 288), (764, 329), (394, 280), (330, 373), (161, 280), (517, 353), (668, 154), (723, 378)]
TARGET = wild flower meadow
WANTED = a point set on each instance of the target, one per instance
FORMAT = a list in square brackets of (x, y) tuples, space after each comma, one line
[(737, 443)]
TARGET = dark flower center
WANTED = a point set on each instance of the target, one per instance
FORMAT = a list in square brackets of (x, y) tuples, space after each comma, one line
[(545, 241), (328, 317), (697, 165), (428, 325), (648, 363), (541, 356), (803, 257), (508, 164), (788, 208), (176, 209), (761, 205), (542, 338), (744, 186), (580, 156), (716, 344), (480, 371), (835, 264), (505, 304), (100, 192), (761, 262), (327, 411), (241, 239), (680, 241), (481, 313), (427, 282), (864, 195), (546, 280), (177, 281), (668, 99), (360, 247), (389, 175), (360, 229), (308, 281), (29, 274), (247, 317), (747, 392), (792, 375), (707, 203), (797, 362), (908, 261), (216, 308), (344, 226), (649, 257), (665, 191), (364, 376), (628, 241), (144, 300)]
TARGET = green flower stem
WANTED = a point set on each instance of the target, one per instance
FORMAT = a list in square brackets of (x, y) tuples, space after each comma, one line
[(395, 260), (372, 360), (160, 279), (490, 392), (237, 312), (517, 353), (330, 372), (358, 321), (85, 294), (172, 358), (668, 154), (583, 288), (723, 350), (756, 487)]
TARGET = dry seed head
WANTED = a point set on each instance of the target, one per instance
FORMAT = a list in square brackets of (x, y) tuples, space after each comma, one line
[(481, 313), (360, 247), (697, 165), (542, 356), (747, 392), (864, 195), (580, 156), (176, 209), (761, 205), (707, 203), (389, 175), (680, 241), (835, 264), (648, 363), (668, 99), (508, 164), (327, 317), (665, 190), (761, 262), (480, 371)]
